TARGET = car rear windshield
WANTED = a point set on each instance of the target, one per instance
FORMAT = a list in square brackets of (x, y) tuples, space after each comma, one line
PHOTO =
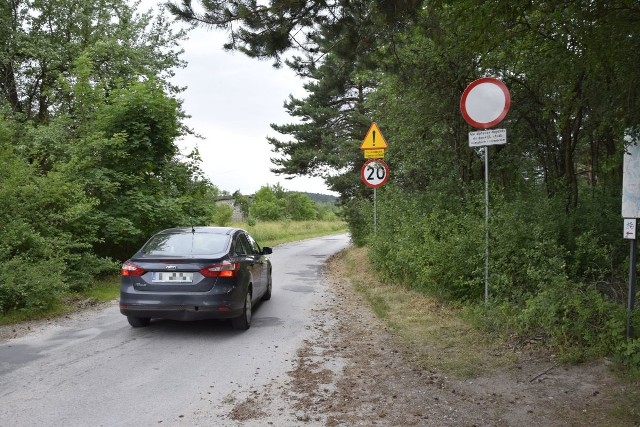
[(186, 244)]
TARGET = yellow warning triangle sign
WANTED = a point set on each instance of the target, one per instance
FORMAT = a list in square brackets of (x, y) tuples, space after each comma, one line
[(373, 139)]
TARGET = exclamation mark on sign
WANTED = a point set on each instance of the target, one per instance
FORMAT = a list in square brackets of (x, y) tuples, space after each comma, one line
[(374, 138)]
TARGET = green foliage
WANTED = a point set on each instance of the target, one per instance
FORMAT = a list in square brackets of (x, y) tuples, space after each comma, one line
[(358, 214), (88, 162), (300, 207), (47, 233), (274, 203), (598, 254), (129, 163), (628, 354), (524, 250), (327, 211), (267, 206), (48, 43), (31, 284), (223, 215), (268, 30), (578, 321), (148, 120), (430, 248)]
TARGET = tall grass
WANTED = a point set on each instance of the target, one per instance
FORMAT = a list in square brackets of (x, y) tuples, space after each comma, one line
[(272, 233)]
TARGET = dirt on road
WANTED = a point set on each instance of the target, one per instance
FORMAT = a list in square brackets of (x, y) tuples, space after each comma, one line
[(356, 372)]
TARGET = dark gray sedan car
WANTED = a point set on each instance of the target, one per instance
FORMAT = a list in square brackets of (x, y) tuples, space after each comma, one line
[(196, 273)]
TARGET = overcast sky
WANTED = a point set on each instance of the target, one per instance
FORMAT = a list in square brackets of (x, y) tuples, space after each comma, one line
[(232, 99)]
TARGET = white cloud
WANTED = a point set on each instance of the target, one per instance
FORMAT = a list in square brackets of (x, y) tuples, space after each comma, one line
[(232, 100)]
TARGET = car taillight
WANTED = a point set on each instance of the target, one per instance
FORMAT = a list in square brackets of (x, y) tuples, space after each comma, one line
[(225, 269), (130, 269)]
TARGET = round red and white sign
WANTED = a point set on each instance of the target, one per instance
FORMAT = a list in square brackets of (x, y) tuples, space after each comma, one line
[(485, 102), (374, 173)]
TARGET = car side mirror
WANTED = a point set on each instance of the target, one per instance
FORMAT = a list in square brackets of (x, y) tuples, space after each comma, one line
[(267, 250)]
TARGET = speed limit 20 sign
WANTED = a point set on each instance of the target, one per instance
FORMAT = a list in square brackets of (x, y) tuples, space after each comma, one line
[(375, 173)]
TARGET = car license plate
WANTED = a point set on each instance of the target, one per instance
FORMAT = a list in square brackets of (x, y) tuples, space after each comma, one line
[(172, 277)]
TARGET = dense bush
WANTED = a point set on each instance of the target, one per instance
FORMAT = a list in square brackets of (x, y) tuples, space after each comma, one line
[(358, 213), (46, 237), (223, 215), (550, 274), (31, 284), (525, 253), (576, 318), (267, 206), (432, 248), (274, 203)]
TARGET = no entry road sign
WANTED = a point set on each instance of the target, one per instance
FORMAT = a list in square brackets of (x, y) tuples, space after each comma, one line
[(485, 102)]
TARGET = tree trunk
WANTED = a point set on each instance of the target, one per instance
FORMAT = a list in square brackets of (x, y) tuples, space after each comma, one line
[(9, 87)]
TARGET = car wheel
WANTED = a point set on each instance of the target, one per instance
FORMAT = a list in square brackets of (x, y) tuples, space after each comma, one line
[(138, 322), (267, 294), (243, 321)]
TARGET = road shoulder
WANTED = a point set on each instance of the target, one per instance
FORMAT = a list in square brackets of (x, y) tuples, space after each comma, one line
[(354, 370)]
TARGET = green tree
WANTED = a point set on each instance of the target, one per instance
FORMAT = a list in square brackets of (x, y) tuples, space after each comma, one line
[(324, 139), (40, 42), (242, 202), (48, 230), (223, 215), (97, 106), (274, 203), (560, 59), (268, 30), (267, 206), (300, 207), (130, 163)]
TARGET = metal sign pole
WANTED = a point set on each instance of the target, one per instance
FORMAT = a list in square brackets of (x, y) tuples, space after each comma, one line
[(486, 225), (632, 287), (375, 173), (375, 211), (485, 103)]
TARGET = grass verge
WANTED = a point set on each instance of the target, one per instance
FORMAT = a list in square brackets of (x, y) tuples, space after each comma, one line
[(451, 340), (437, 335), (103, 290), (277, 232)]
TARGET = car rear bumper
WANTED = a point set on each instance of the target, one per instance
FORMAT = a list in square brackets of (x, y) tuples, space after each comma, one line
[(180, 312), (184, 306)]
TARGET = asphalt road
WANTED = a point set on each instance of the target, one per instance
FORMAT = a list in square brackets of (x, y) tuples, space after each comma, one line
[(96, 370)]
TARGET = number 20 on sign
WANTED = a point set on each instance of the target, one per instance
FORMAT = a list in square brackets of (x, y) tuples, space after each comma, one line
[(375, 173)]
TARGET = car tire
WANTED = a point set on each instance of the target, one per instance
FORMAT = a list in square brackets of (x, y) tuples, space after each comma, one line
[(138, 322), (243, 322), (267, 294)]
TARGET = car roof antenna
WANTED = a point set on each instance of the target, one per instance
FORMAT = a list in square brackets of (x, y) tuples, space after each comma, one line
[(193, 230)]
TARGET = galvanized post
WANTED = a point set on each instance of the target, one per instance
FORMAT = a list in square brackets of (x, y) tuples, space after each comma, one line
[(632, 287), (486, 225), (375, 211)]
